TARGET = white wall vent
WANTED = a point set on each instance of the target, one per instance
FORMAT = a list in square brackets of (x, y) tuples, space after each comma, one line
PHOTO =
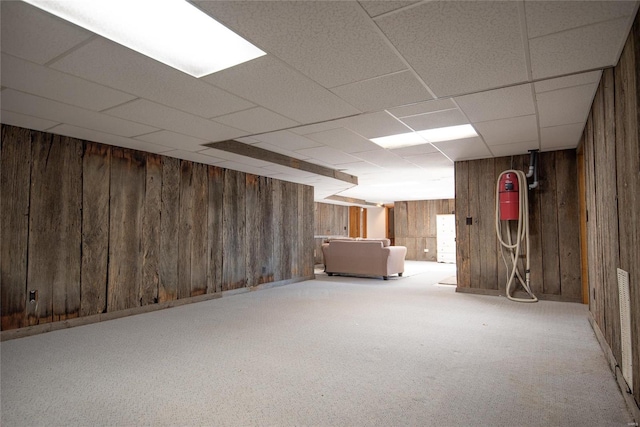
[(625, 327)]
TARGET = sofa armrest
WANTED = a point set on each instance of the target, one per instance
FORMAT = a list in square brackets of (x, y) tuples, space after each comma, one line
[(395, 258)]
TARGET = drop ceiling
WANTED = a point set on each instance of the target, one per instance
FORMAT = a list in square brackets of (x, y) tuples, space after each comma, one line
[(523, 73)]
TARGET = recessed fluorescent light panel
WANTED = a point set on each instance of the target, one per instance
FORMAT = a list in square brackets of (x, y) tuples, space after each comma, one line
[(400, 140), (173, 32), (426, 136)]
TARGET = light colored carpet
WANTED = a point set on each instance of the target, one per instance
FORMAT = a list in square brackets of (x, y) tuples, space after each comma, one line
[(333, 352)]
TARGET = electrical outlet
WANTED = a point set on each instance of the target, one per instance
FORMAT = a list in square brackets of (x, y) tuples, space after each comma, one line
[(426, 250), (33, 296)]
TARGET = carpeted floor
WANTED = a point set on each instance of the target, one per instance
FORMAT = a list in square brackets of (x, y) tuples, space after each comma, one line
[(336, 351)]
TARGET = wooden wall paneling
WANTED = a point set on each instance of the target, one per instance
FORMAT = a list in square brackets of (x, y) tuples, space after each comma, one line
[(151, 230), (289, 232), (462, 229), (592, 230), (549, 223), (487, 233), (199, 240), (15, 177), (234, 231), (169, 220), (582, 203), (54, 226), (256, 258), (266, 220), (400, 222), (309, 220), (278, 229), (475, 240), (127, 191), (96, 172), (608, 215), (297, 256), (568, 224), (215, 229), (627, 106), (185, 228)]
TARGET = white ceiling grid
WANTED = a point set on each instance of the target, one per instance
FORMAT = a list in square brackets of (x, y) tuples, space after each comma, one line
[(522, 73)]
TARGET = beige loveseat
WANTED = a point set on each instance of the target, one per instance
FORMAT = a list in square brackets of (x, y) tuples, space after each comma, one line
[(363, 257)]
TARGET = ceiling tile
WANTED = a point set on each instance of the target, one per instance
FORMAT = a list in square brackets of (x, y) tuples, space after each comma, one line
[(460, 47), (314, 128), (243, 167), (106, 138), (464, 149), (32, 105), (163, 117), (505, 131), (289, 171), (24, 121), (415, 150), (514, 149), (560, 137), (110, 64), (174, 140), (376, 8), (435, 120), (274, 85), (287, 140), (383, 92), (48, 83), (498, 104), (343, 139), (584, 48), (436, 164), (374, 125), (51, 36), (334, 43), (360, 168), (328, 155), (423, 108), (385, 158), (565, 106), (547, 17), (568, 81), (256, 120)]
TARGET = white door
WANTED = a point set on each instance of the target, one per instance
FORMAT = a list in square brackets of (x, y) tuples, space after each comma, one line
[(446, 238)]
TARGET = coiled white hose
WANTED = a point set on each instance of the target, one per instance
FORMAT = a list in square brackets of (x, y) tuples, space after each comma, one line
[(521, 235)]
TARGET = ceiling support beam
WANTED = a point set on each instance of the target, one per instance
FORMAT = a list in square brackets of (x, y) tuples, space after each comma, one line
[(247, 150)]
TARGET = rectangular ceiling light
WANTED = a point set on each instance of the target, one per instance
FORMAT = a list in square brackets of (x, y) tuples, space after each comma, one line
[(400, 140), (173, 32), (426, 136), (448, 133)]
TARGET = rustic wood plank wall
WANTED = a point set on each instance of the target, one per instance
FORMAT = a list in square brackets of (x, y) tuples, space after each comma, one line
[(330, 220), (97, 229), (415, 226), (554, 227), (611, 146)]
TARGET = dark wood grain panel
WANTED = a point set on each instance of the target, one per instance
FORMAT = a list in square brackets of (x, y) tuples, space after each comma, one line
[(125, 228), (96, 172), (627, 106), (549, 220), (15, 177), (462, 229), (151, 230), (568, 223), (185, 229), (309, 220), (234, 231), (55, 226), (169, 220), (278, 229), (215, 229), (199, 236)]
